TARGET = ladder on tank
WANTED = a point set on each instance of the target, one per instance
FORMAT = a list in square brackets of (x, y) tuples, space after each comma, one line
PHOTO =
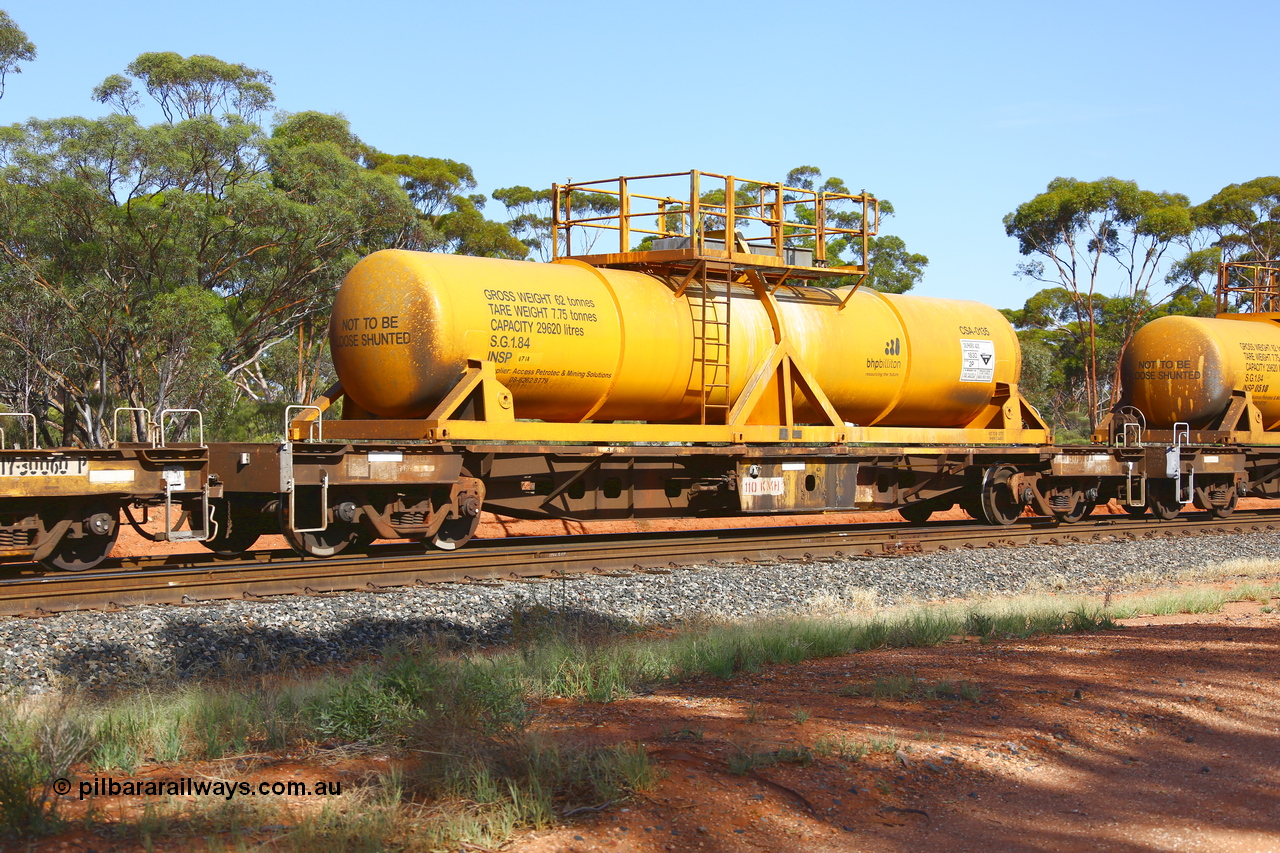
[(711, 349)]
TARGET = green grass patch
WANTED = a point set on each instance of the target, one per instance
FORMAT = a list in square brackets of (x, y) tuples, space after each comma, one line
[(1250, 591), (37, 746), (476, 772), (1199, 600), (883, 745), (841, 747)]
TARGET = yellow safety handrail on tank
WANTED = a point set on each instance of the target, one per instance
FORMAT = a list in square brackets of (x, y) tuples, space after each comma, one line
[(1254, 284), (684, 217)]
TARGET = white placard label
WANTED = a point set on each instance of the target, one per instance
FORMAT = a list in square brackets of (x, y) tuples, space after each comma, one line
[(762, 486), (793, 466), (977, 360), (386, 456), (111, 475), (176, 478)]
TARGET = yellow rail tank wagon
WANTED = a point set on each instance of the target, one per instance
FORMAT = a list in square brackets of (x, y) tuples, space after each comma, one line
[(721, 365), (694, 352)]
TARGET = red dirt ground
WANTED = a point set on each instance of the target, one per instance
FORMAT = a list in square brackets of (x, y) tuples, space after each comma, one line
[(1161, 736)]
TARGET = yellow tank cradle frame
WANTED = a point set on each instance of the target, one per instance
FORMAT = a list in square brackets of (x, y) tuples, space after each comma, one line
[(693, 256)]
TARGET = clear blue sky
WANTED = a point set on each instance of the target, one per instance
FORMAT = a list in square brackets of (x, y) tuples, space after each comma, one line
[(956, 112)]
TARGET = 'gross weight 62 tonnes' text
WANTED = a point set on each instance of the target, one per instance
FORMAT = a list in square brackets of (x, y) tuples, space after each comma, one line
[(516, 316)]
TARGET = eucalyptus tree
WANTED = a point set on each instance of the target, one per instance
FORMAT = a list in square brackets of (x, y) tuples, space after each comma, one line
[(1085, 238), (15, 47), (1244, 220), (1240, 222), (449, 217), (170, 259), (529, 216), (891, 267)]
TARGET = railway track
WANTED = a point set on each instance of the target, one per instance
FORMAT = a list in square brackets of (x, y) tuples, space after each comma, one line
[(187, 578)]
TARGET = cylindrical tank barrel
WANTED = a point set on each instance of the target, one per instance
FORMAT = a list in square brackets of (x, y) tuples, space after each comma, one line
[(576, 343), (1184, 369)]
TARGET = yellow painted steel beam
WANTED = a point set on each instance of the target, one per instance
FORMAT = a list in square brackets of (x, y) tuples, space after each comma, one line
[(536, 432)]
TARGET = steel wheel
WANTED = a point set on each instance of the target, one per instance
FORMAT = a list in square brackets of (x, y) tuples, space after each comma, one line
[(239, 527), (333, 540), (919, 513), (456, 532), (323, 543), (82, 553), (1162, 499), (999, 505), (1081, 510)]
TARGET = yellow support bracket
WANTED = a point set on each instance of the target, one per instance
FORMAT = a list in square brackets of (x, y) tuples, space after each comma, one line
[(300, 427), (769, 398), (1007, 410), (478, 396)]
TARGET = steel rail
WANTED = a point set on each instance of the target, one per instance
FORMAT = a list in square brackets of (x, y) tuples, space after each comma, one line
[(189, 578)]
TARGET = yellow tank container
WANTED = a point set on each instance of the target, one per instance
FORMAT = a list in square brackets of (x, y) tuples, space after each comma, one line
[(576, 343), (1184, 369)]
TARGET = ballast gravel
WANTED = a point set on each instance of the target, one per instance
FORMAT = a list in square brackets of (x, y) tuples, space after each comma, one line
[(162, 645)]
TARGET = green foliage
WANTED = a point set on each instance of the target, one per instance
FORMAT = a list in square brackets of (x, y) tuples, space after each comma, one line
[(35, 750), (1096, 217), (189, 87), (893, 268), (25, 808), (449, 219), (529, 217), (191, 263), (1198, 269), (1055, 351), (841, 747), (1082, 236), (15, 47), (883, 745), (1244, 219), (415, 689), (1201, 600)]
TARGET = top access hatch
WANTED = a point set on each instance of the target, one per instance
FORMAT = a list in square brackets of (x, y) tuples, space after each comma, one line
[(673, 222)]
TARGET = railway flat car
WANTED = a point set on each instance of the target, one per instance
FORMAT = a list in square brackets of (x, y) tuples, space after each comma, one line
[(64, 506), (717, 363)]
